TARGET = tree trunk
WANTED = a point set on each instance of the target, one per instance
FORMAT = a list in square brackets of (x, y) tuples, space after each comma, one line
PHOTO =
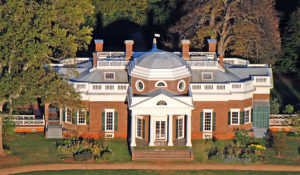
[(2, 153)]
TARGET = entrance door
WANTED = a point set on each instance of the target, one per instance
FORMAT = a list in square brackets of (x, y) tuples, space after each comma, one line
[(160, 129)]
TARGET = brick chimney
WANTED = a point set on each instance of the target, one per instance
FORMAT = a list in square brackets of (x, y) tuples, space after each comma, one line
[(185, 49), (99, 45), (212, 45), (129, 49), (94, 59), (221, 56)]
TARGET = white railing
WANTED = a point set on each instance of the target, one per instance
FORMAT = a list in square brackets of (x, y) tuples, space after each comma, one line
[(110, 54), (74, 60), (222, 88), (261, 80), (111, 63), (280, 119), (203, 64), (23, 120), (235, 61), (101, 88)]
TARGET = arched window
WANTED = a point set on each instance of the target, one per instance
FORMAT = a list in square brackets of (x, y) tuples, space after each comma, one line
[(139, 85), (160, 84), (181, 85), (161, 102)]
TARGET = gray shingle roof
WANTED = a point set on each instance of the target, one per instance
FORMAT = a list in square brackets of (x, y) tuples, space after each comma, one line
[(97, 76)]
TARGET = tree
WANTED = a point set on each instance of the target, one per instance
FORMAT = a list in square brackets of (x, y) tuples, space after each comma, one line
[(242, 27), (33, 34), (289, 109), (289, 62)]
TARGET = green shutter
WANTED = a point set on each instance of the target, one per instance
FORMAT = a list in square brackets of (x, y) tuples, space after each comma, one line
[(201, 121), (103, 121), (242, 118), (87, 117), (251, 115), (229, 118), (74, 117), (214, 122), (144, 128), (177, 129), (64, 115), (116, 121)]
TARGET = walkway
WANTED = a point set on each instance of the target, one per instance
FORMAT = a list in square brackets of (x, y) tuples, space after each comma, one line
[(148, 166)]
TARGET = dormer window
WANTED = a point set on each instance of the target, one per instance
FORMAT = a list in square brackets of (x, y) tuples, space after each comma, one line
[(207, 76), (109, 75), (160, 84)]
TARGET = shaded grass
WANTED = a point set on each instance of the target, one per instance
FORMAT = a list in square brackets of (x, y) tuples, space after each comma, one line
[(148, 172)]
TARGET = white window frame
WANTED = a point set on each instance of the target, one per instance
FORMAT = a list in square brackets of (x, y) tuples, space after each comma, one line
[(166, 126), (211, 119), (180, 118), (109, 73), (165, 84), (235, 110), (113, 119), (66, 115), (139, 118), (137, 85), (84, 117), (207, 135), (247, 109), (109, 135), (203, 73), (184, 85)]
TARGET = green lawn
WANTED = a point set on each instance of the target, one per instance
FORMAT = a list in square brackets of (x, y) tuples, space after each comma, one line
[(148, 172)]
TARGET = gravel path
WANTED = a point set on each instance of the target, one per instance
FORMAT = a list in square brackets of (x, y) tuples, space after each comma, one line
[(148, 166)]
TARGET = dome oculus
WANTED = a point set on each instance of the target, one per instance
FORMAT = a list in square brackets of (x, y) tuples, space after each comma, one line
[(139, 85), (181, 85)]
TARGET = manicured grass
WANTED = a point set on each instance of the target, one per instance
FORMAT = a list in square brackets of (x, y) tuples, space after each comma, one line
[(33, 148), (148, 172)]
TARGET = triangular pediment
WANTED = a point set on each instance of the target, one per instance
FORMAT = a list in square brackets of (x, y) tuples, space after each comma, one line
[(164, 101)]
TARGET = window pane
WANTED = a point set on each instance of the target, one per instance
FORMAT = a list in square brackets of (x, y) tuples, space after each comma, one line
[(109, 121), (207, 121), (163, 127), (139, 127), (247, 116), (157, 132), (81, 117), (235, 117), (180, 127)]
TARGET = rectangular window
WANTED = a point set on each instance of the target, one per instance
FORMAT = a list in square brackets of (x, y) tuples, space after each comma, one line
[(109, 87), (208, 87), (207, 121), (69, 116), (261, 80), (109, 121), (97, 87), (81, 117), (220, 87), (235, 114), (236, 86), (247, 115), (80, 86), (207, 76), (109, 75), (180, 127), (139, 128)]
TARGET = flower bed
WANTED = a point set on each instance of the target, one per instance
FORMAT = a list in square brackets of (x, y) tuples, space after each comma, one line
[(83, 149)]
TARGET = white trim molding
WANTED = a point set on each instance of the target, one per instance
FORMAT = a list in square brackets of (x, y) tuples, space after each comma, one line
[(137, 85), (181, 118), (139, 118), (211, 119), (247, 109), (184, 85)]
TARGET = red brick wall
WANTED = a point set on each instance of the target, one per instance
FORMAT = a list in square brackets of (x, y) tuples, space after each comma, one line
[(223, 130), (150, 85), (94, 129), (261, 96)]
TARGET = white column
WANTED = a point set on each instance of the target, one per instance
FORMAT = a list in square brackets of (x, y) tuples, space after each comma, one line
[(60, 116), (189, 131), (133, 128), (170, 132), (152, 130)]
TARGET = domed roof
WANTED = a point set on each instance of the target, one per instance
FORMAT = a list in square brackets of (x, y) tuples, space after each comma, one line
[(158, 59)]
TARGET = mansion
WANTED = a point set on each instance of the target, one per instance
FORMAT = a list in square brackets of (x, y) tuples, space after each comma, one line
[(161, 98)]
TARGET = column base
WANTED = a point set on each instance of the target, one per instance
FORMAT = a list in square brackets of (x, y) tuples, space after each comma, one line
[(151, 144), (170, 144)]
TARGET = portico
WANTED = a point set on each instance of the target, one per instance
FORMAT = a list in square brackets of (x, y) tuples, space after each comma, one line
[(161, 121)]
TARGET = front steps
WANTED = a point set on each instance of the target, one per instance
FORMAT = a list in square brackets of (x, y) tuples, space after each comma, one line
[(161, 154), (54, 131), (260, 132)]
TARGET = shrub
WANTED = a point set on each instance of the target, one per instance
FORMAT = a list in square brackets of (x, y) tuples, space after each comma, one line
[(83, 155), (242, 137), (276, 141)]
